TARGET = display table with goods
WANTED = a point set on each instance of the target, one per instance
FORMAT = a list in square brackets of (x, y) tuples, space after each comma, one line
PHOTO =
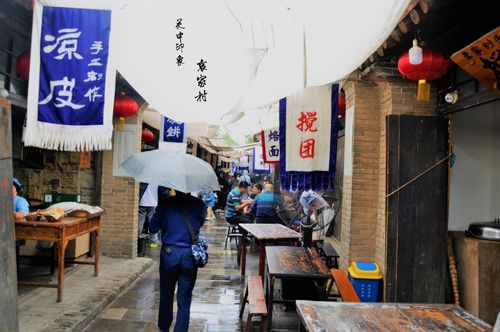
[(60, 228)]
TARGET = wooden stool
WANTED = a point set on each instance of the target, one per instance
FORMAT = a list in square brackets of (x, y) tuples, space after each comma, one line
[(233, 232), (254, 295)]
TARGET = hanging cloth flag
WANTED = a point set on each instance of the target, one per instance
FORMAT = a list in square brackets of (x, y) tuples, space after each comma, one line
[(308, 138), (72, 80), (173, 135), (259, 166), (270, 145)]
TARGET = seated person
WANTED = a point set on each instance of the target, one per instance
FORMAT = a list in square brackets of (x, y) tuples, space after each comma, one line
[(235, 206), (263, 206), (256, 189), (20, 207)]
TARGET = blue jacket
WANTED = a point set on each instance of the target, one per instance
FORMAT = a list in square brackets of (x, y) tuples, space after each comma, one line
[(170, 220), (264, 204)]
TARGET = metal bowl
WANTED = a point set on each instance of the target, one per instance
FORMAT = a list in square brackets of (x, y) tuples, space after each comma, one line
[(489, 230)]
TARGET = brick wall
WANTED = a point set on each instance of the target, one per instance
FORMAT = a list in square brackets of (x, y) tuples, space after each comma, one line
[(120, 198), (379, 93)]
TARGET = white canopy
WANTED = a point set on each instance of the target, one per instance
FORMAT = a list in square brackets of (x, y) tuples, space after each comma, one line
[(256, 52)]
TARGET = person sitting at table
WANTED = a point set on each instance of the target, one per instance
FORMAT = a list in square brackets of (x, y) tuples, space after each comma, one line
[(264, 206), (256, 189), (235, 206), (20, 207)]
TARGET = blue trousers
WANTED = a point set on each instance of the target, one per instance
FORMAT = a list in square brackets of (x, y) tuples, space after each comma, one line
[(176, 267)]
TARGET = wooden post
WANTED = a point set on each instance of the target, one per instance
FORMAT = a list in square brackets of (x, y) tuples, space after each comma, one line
[(8, 274)]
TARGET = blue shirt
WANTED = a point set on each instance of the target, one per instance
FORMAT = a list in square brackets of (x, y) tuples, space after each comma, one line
[(233, 200), (264, 204), (170, 220), (21, 205), (209, 199)]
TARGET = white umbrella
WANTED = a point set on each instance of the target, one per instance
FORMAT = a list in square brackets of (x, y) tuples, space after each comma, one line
[(179, 171)]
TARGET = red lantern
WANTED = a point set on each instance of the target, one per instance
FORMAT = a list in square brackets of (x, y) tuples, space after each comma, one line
[(147, 135), (434, 65), (125, 106), (341, 103), (23, 65)]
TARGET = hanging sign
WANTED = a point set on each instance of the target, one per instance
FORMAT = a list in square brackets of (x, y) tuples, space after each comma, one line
[(72, 80), (173, 135), (259, 166), (308, 138), (480, 59), (173, 131), (270, 145)]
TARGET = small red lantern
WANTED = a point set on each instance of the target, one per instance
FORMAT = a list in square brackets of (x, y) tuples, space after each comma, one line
[(434, 65), (23, 65), (124, 107), (341, 103), (147, 135)]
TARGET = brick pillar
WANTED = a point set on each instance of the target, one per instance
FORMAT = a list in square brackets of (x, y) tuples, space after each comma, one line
[(120, 198), (380, 93)]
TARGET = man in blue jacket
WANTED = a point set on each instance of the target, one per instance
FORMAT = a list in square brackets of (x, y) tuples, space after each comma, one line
[(177, 265)]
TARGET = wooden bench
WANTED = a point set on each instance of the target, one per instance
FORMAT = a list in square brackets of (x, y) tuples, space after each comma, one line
[(331, 255), (254, 295), (347, 292)]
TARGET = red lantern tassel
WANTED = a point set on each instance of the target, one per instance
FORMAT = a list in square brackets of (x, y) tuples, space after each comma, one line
[(424, 91)]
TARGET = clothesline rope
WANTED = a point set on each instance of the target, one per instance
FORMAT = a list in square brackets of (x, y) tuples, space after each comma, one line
[(419, 175)]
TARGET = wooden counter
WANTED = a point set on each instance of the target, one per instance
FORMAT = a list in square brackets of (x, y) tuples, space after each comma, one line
[(60, 232)]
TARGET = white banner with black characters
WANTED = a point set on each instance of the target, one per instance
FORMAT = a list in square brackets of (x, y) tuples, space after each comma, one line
[(72, 76), (270, 145)]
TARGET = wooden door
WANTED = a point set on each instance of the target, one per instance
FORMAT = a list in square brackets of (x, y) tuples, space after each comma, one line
[(416, 239)]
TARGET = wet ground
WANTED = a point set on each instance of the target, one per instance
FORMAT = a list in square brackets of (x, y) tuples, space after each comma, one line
[(216, 296)]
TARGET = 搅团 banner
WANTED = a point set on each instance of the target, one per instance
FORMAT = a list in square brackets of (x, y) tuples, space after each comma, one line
[(72, 80), (270, 145), (308, 138)]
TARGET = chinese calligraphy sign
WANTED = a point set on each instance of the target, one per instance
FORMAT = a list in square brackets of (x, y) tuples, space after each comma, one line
[(72, 91), (481, 59), (173, 131), (270, 145)]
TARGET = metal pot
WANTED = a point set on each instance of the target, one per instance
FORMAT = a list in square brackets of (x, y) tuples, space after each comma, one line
[(489, 230)]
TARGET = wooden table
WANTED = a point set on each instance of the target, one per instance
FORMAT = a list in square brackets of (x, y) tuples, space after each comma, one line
[(265, 233), (61, 233), (298, 263), (367, 317)]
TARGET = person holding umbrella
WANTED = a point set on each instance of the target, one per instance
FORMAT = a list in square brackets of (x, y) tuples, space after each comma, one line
[(177, 266), (174, 217)]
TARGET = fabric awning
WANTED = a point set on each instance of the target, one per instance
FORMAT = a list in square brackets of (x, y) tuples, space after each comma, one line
[(256, 52)]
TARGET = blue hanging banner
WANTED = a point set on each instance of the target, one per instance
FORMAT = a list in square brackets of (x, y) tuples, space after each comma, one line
[(173, 131), (308, 138), (71, 90)]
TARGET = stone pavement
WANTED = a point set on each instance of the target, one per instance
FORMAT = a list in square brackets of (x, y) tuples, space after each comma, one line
[(216, 296), (85, 296)]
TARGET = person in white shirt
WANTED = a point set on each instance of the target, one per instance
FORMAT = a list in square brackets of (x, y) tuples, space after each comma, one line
[(148, 201)]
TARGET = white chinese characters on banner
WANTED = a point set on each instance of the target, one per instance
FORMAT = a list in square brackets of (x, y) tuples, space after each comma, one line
[(308, 129), (270, 145)]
